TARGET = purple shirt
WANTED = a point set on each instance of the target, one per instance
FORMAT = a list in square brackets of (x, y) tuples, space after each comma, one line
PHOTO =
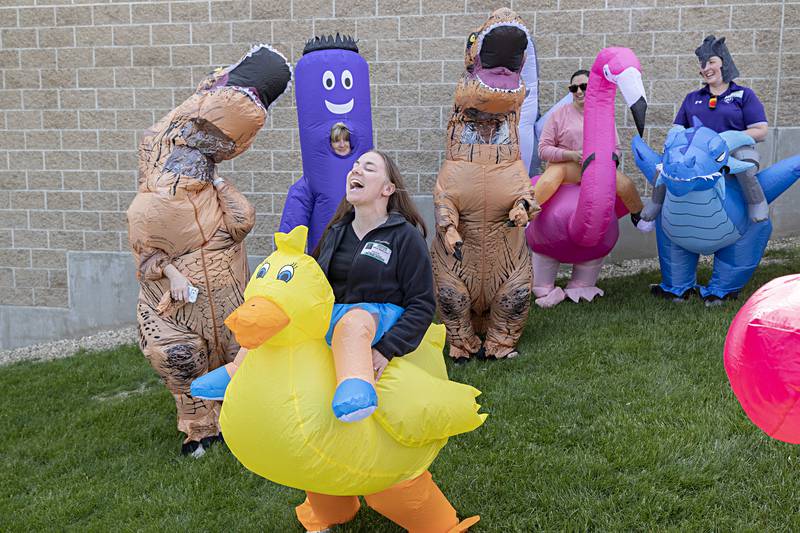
[(738, 108)]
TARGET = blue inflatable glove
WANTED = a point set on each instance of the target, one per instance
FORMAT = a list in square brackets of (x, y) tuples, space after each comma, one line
[(354, 400), (212, 386), (736, 139)]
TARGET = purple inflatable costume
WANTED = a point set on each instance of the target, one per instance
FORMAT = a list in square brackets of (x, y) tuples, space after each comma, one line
[(331, 85)]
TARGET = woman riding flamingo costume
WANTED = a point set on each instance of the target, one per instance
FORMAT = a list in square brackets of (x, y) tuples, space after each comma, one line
[(578, 224)]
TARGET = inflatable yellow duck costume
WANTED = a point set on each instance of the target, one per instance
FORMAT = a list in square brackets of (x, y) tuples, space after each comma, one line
[(277, 417)]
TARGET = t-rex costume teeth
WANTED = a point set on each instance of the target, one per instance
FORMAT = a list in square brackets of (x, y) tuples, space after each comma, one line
[(483, 198), (178, 217)]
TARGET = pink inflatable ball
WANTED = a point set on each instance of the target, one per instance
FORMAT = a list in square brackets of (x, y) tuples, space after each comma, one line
[(762, 358)]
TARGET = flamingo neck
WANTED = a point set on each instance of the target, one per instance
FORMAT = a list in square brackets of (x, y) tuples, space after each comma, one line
[(599, 89), (595, 209)]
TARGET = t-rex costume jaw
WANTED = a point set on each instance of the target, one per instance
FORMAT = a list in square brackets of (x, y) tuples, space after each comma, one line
[(180, 218), (483, 199)]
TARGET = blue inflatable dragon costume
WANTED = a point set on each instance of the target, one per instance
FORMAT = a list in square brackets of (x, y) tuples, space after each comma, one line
[(704, 212)]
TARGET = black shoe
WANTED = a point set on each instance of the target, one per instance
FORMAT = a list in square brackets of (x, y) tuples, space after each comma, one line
[(193, 448), (657, 290), (714, 301), (208, 441), (480, 355)]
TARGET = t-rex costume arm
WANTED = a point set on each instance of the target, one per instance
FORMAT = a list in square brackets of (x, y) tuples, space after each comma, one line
[(238, 214)]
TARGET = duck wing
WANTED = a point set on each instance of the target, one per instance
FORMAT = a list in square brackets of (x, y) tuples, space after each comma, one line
[(416, 408)]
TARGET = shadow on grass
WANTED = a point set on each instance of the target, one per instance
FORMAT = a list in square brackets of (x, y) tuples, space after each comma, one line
[(617, 415)]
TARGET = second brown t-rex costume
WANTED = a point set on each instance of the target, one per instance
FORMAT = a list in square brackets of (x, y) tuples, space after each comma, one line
[(483, 198), (184, 215)]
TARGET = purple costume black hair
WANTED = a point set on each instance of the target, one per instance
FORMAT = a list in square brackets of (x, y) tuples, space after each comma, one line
[(716, 47), (329, 42)]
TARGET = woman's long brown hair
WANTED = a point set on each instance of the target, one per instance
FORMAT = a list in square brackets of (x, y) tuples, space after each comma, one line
[(400, 201)]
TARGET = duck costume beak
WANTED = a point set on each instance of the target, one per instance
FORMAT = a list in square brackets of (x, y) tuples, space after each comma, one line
[(256, 321)]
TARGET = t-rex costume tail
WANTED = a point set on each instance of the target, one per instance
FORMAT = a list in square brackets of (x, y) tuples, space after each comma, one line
[(483, 198), (180, 218)]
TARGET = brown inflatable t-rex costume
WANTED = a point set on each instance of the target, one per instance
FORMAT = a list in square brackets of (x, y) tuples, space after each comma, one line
[(187, 217), (483, 199)]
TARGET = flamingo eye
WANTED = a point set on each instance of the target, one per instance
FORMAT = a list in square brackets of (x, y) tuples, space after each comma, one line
[(286, 273)]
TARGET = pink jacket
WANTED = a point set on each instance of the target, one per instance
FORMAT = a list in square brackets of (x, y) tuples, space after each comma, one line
[(564, 131)]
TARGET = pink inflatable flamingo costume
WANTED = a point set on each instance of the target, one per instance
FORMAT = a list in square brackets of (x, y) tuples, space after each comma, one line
[(578, 224)]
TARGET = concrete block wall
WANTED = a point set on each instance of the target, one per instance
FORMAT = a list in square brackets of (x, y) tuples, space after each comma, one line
[(82, 78)]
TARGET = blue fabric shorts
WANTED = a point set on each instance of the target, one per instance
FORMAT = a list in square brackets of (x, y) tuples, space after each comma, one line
[(386, 316)]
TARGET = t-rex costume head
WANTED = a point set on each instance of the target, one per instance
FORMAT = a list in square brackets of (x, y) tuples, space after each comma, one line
[(492, 82), (178, 155)]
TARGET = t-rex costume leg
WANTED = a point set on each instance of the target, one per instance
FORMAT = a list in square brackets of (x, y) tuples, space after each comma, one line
[(180, 218), (483, 198)]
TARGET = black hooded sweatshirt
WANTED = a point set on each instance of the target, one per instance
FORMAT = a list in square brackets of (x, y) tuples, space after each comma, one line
[(391, 264)]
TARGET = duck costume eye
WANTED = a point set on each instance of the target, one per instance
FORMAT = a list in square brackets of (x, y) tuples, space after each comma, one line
[(286, 273), (263, 271)]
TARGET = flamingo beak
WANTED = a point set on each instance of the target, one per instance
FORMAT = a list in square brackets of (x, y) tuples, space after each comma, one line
[(630, 85), (256, 321)]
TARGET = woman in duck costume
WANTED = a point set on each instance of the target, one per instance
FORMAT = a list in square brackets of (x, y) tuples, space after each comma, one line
[(278, 417)]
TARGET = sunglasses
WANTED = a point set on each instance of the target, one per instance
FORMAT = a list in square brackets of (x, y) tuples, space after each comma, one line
[(574, 88)]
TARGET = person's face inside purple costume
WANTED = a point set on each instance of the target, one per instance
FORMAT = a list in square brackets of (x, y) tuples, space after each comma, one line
[(341, 147), (711, 72)]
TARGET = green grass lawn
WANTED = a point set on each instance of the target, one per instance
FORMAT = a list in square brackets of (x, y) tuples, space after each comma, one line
[(617, 416)]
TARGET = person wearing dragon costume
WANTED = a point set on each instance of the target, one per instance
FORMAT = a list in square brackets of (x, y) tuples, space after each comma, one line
[(331, 89), (483, 199), (705, 210), (186, 227), (723, 105)]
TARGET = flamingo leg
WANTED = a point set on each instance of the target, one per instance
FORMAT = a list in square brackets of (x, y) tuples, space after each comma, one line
[(545, 270), (584, 281)]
